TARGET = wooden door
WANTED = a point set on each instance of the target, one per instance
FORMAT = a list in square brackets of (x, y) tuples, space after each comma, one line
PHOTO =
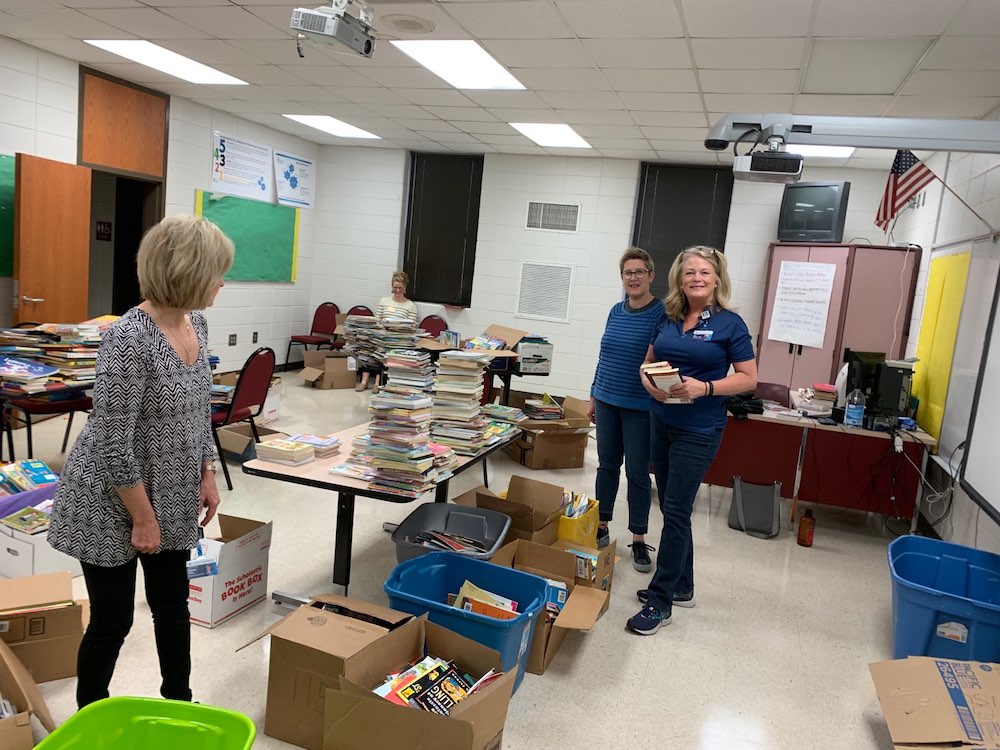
[(51, 240), (775, 358)]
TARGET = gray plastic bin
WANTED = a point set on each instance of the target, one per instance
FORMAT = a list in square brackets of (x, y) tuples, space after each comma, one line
[(487, 526)]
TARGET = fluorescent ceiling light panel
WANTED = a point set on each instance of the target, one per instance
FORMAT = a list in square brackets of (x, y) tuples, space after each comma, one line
[(333, 126), (158, 58), (825, 152), (462, 63), (550, 134)]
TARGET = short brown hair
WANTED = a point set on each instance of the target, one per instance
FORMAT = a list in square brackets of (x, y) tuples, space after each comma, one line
[(401, 277), (180, 260), (675, 302), (636, 253)]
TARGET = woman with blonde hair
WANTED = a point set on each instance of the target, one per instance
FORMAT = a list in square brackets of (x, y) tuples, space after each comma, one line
[(703, 338), (142, 470), (397, 306)]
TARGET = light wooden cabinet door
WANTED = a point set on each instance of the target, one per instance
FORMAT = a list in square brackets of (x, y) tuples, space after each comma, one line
[(775, 359)]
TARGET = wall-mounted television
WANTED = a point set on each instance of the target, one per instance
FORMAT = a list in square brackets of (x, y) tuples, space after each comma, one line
[(813, 212)]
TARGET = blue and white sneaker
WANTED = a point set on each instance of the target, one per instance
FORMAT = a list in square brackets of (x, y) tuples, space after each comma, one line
[(680, 600), (648, 621)]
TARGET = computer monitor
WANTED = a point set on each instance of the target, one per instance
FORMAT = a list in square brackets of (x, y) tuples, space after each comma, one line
[(862, 369)]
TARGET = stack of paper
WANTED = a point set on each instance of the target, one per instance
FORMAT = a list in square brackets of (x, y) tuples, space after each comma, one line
[(458, 390), (398, 438), (359, 333), (281, 451), (398, 331)]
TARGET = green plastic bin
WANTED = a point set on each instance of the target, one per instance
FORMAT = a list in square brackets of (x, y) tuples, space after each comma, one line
[(123, 723)]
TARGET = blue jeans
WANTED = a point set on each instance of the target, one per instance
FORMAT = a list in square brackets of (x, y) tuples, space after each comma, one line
[(680, 460), (623, 433)]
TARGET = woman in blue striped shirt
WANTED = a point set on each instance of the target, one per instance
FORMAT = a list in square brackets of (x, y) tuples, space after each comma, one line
[(619, 405)]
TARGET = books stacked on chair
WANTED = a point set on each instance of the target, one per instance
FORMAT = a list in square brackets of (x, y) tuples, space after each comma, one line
[(323, 445), (398, 438), (409, 371), (458, 421), (359, 333), (287, 452)]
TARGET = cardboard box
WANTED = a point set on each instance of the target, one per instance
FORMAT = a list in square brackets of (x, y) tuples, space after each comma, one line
[(242, 552), (310, 649), (503, 359), (17, 686), (938, 703), (328, 369), (533, 507), (42, 624), (357, 719), (583, 606), (583, 528), (237, 440), (555, 443), (534, 357), (24, 554), (603, 576)]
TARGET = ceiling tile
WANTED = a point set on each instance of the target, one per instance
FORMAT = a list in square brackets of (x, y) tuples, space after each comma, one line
[(581, 99), (280, 52), (419, 78), (619, 143), (963, 53), (386, 55), (423, 125), (451, 114), (514, 139), (561, 79), (373, 95), (832, 104), (594, 116), (261, 74), (639, 53), (148, 23), (684, 157), (677, 134), (213, 51), (749, 81), (228, 22), (715, 18), (671, 80), (328, 75), (137, 73), (974, 17), (953, 83), (665, 102), (71, 23), (942, 106), (670, 119), (525, 115), (391, 18), (628, 153), (410, 111), (748, 102), (431, 127), (627, 19), (767, 53), (482, 128), (539, 53), (665, 144), (885, 18), (506, 99), (861, 66), (609, 131), (312, 94), (80, 4), (434, 97), (521, 19), (72, 49)]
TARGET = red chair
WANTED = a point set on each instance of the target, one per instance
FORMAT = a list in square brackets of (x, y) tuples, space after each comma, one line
[(321, 334), (774, 392), (434, 324), (248, 399), (29, 407), (361, 310)]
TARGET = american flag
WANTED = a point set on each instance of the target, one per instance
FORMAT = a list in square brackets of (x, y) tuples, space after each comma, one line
[(907, 177)]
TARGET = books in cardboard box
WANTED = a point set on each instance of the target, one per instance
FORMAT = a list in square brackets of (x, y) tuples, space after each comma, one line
[(663, 376)]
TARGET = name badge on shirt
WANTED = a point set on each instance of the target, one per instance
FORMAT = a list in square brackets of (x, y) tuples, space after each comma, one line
[(702, 334)]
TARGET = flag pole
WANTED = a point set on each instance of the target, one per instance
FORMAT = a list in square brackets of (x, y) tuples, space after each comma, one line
[(992, 229)]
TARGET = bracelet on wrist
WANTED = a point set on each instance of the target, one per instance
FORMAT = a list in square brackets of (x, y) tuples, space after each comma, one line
[(209, 467), (711, 388), (706, 388)]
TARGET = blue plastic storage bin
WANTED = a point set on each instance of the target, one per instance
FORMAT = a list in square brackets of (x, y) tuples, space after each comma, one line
[(945, 600), (422, 584)]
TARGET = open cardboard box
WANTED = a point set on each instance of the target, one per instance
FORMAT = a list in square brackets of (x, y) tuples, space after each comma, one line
[(42, 624), (603, 575), (17, 686), (503, 359), (931, 703), (357, 719), (326, 369), (581, 610), (555, 443), (237, 440), (533, 507), (310, 649)]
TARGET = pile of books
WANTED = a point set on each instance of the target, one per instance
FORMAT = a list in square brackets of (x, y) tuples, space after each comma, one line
[(408, 371), (76, 364), (25, 475), (28, 520), (398, 438), (485, 342), (322, 445), (500, 432), (359, 332), (21, 377), (445, 460), (664, 377), (447, 541), (575, 504), (359, 464), (543, 408), (824, 393), (432, 684), (283, 451), (458, 389), (472, 598), (498, 413), (397, 331), (221, 396)]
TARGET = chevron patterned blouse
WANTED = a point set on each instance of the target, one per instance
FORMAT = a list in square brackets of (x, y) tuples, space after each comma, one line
[(150, 424)]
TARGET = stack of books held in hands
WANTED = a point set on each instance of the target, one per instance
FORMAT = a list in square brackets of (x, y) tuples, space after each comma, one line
[(283, 451), (543, 408), (458, 389), (322, 445), (664, 377), (398, 438), (433, 685)]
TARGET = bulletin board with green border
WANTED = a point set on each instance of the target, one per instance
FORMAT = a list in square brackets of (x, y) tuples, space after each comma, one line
[(936, 343), (266, 235), (7, 163)]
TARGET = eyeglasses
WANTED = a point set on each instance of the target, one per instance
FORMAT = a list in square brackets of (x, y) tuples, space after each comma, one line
[(640, 273)]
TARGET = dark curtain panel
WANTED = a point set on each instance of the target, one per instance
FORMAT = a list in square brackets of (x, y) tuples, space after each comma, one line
[(442, 221), (679, 206)]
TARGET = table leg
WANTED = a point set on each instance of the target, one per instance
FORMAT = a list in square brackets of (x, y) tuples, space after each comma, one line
[(441, 492), (343, 539), (505, 379), (798, 475)]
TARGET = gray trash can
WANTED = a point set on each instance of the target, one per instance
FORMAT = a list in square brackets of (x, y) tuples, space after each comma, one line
[(486, 526)]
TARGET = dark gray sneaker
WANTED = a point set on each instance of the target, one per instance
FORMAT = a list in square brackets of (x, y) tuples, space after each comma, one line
[(680, 600), (640, 556), (603, 537)]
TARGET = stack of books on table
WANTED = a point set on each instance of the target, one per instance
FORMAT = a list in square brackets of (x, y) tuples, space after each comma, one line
[(25, 475), (322, 445), (458, 389), (824, 394), (445, 460), (409, 371), (21, 377), (543, 408), (663, 376), (282, 451), (433, 685), (77, 363), (398, 438), (359, 464), (359, 332), (498, 413), (501, 432)]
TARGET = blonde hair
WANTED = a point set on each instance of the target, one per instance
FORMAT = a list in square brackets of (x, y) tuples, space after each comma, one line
[(401, 277), (635, 253), (180, 260), (675, 302)]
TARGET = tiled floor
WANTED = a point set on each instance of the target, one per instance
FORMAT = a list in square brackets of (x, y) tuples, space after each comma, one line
[(774, 655)]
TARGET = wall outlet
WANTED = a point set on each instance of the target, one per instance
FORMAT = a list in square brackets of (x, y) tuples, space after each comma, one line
[(232, 339), (255, 337)]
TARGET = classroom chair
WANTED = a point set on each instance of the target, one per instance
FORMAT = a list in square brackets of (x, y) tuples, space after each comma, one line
[(434, 324), (248, 400), (361, 310), (322, 332), (26, 408), (774, 392)]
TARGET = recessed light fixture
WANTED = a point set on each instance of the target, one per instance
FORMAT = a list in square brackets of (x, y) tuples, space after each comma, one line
[(827, 152), (333, 126), (156, 57), (554, 135), (462, 63)]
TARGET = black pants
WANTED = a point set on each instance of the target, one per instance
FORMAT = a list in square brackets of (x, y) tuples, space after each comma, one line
[(112, 602)]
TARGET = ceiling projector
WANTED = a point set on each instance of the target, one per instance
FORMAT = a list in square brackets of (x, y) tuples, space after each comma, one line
[(333, 24), (768, 166)]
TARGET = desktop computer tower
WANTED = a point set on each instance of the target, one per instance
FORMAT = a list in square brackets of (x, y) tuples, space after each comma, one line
[(891, 390)]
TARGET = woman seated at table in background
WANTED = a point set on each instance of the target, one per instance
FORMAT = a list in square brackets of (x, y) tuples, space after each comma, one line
[(395, 305), (702, 337)]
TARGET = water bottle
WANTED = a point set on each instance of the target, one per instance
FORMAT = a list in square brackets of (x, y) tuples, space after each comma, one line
[(854, 415)]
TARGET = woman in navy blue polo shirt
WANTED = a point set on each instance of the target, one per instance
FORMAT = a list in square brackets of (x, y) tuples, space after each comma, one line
[(703, 339)]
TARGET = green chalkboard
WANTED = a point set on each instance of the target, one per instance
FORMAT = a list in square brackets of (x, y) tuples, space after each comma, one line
[(6, 215), (266, 235)]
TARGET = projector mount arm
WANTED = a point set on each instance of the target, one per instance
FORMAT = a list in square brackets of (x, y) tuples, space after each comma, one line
[(366, 14)]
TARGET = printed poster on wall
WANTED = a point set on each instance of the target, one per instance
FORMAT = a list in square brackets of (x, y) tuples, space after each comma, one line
[(242, 168), (802, 303), (294, 180)]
